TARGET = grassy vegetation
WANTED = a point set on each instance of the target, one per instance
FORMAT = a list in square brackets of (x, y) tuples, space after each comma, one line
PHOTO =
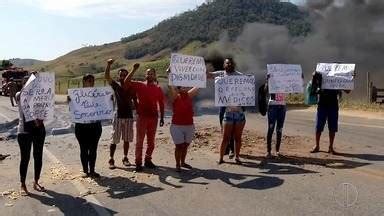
[(361, 105), (70, 68), (345, 103), (63, 83)]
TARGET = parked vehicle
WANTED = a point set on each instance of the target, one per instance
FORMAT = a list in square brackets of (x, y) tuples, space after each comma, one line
[(16, 74)]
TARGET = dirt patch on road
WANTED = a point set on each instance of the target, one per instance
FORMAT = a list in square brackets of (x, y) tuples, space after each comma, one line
[(295, 150), (254, 142)]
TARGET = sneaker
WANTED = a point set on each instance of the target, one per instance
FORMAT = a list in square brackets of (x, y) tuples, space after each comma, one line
[(126, 162), (139, 168), (111, 164), (149, 164), (94, 175)]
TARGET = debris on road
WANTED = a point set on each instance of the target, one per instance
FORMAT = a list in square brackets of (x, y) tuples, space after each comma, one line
[(11, 194), (2, 157), (8, 204)]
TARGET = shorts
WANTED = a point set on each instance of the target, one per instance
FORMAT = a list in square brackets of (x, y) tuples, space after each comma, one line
[(182, 133), (234, 117), (327, 114), (122, 129)]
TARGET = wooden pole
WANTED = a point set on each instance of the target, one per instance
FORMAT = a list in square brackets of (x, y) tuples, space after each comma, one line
[(368, 88)]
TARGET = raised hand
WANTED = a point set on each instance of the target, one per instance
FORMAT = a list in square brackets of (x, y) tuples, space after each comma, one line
[(136, 66), (110, 61)]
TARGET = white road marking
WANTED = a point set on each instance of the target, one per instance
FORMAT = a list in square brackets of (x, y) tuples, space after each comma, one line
[(96, 205), (6, 117), (361, 125)]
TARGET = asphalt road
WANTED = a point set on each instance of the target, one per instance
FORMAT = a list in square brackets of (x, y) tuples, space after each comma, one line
[(350, 184)]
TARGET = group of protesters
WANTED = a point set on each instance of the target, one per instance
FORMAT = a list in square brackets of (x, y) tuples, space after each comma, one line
[(143, 102)]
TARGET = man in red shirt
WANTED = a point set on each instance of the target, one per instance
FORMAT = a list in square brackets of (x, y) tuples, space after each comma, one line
[(149, 96)]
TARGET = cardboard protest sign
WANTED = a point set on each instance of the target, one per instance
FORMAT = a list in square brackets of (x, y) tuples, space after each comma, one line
[(285, 78), (337, 76), (235, 91), (37, 98), (187, 71), (90, 104)]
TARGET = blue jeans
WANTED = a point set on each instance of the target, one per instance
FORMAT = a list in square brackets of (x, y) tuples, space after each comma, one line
[(276, 118)]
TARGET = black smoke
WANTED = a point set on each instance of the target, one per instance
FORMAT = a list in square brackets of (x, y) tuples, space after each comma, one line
[(347, 31)]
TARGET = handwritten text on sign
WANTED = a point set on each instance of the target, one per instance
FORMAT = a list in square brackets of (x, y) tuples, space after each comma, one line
[(337, 76), (235, 91), (285, 78), (187, 71), (90, 104), (37, 99)]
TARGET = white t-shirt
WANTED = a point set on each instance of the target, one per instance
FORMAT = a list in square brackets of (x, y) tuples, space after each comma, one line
[(223, 73)]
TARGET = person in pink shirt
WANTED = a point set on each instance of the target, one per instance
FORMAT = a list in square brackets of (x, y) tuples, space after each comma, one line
[(150, 97)]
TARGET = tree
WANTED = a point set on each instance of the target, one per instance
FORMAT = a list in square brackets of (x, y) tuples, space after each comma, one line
[(6, 64)]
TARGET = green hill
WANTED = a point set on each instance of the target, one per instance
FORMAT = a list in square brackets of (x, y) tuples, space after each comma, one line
[(185, 33)]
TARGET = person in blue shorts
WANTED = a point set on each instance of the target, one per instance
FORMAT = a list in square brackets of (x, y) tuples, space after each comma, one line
[(327, 112)]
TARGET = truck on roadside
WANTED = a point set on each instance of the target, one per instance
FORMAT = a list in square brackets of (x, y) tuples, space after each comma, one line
[(12, 73)]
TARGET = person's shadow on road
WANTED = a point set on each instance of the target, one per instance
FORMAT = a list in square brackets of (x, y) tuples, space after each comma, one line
[(121, 187), (334, 163), (70, 205), (258, 182), (367, 157)]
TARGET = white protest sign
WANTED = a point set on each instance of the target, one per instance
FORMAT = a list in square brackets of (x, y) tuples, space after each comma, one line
[(37, 98), (90, 104), (285, 78), (337, 76), (187, 71), (235, 91)]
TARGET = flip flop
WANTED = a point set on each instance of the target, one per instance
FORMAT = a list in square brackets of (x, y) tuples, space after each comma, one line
[(220, 162), (38, 187), (315, 150), (185, 165), (238, 161)]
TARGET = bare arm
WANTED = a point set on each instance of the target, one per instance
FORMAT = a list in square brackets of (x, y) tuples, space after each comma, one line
[(193, 92), (172, 90), (161, 105), (266, 83), (107, 74), (128, 79), (211, 75)]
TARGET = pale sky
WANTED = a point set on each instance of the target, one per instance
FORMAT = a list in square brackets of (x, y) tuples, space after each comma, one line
[(47, 29)]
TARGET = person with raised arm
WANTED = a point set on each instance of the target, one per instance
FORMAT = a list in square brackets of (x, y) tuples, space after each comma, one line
[(327, 112), (123, 119), (182, 127), (150, 97), (234, 117)]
